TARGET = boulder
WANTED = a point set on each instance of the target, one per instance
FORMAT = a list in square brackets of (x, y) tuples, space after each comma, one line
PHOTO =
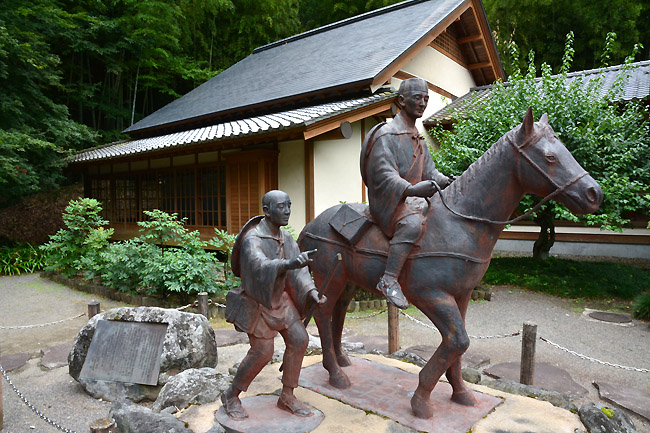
[(132, 418), (471, 375), (189, 343), (193, 386), (553, 397), (599, 418)]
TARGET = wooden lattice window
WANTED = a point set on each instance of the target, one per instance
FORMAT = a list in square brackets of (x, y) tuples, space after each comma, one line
[(100, 189), (126, 200), (186, 196), (212, 196)]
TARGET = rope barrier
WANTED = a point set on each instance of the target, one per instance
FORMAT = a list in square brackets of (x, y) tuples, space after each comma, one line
[(475, 337), (43, 324), (196, 304), (29, 405)]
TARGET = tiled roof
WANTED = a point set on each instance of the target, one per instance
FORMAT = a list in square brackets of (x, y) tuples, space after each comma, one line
[(344, 55), (297, 118), (637, 87)]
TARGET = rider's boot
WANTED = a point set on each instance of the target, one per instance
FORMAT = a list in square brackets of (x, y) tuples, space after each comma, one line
[(388, 284)]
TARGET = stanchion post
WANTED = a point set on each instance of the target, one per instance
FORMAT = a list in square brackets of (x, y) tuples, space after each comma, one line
[(528, 340), (1, 410), (393, 328), (204, 308), (93, 309)]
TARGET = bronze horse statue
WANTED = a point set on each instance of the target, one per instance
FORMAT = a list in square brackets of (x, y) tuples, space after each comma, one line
[(454, 252)]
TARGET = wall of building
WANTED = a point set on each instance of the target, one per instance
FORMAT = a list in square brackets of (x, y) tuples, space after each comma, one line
[(291, 179), (336, 170)]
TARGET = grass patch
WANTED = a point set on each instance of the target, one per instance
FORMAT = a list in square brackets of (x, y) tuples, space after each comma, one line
[(569, 278)]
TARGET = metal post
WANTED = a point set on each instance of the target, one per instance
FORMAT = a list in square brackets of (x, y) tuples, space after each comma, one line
[(393, 328), (528, 340), (204, 308), (93, 309), (104, 425)]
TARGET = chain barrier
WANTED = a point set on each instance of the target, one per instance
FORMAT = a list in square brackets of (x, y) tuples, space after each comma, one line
[(589, 358), (43, 324), (196, 304), (475, 337), (368, 316), (29, 405)]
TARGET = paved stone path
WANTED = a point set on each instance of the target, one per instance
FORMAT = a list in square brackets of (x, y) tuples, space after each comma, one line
[(27, 300)]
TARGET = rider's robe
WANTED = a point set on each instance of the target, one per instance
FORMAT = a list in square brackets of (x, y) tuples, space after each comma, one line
[(392, 159)]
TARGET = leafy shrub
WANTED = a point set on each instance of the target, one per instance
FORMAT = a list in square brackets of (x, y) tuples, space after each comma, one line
[(641, 307), (77, 247), (19, 259), (148, 264)]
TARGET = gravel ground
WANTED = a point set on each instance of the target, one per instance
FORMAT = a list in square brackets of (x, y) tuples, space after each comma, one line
[(31, 300)]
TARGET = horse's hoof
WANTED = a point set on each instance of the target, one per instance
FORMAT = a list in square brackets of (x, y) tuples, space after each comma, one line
[(421, 408), (343, 360), (340, 381), (465, 398)]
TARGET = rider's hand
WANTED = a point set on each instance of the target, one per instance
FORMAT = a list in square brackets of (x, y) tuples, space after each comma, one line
[(299, 262), (424, 188), (313, 294)]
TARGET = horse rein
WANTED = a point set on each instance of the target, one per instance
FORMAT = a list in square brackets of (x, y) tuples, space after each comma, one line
[(558, 190)]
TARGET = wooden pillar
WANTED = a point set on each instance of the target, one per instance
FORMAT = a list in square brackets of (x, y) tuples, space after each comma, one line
[(528, 339), (393, 328), (93, 309), (204, 308)]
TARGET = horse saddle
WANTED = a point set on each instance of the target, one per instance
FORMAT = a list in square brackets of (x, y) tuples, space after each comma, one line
[(350, 223)]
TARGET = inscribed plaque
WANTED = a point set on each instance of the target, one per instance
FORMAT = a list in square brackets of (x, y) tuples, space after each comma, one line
[(125, 352)]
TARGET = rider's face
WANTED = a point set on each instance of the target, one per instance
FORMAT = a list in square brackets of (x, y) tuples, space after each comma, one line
[(415, 102)]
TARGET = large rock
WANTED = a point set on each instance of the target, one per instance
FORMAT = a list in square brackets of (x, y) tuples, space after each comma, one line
[(132, 418), (189, 343), (599, 418), (194, 386)]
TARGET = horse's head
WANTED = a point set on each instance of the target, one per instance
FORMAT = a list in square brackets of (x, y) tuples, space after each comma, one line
[(547, 167)]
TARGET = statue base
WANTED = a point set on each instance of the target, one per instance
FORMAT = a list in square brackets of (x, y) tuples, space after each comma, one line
[(265, 416), (387, 391)]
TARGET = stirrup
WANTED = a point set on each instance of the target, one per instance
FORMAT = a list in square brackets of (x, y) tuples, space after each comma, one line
[(393, 293)]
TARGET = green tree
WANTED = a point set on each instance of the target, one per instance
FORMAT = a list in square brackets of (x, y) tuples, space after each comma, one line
[(610, 140), (540, 26), (35, 130)]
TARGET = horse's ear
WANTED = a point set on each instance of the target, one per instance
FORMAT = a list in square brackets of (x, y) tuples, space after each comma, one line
[(544, 118), (527, 126)]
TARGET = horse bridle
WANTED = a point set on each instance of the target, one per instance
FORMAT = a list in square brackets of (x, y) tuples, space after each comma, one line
[(558, 188)]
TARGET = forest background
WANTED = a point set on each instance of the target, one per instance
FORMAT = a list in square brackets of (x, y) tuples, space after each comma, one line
[(74, 74)]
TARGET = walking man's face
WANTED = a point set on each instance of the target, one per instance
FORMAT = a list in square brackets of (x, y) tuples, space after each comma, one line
[(415, 102)]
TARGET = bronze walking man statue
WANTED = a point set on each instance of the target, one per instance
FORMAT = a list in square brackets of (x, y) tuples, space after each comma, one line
[(398, 170), (276, 287)]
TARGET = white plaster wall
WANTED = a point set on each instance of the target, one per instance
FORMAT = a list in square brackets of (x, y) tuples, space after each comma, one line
[(291, 179), (336, 171)]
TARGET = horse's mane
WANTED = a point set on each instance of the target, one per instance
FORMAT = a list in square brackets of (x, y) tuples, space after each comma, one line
[(458, 188)]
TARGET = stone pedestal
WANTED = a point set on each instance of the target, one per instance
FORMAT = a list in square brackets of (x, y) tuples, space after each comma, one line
[(265, 416)]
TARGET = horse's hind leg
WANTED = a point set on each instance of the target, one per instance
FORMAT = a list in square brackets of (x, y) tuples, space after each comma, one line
[(443, 311), (338, 320), (461, 394)]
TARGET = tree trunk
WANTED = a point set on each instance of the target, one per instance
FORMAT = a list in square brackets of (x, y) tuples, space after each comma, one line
[(546, 238)]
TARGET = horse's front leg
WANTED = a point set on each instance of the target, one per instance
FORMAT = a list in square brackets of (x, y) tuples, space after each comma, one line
[(461, 393), (338, 378), (338, 320), (443, 311)]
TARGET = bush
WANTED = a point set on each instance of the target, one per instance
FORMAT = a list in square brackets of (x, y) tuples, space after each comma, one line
[(19, 259), (641, 307), (148, 264), (72, 250)]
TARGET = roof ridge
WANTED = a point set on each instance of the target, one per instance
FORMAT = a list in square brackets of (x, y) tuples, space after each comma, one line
[(338, 24)]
